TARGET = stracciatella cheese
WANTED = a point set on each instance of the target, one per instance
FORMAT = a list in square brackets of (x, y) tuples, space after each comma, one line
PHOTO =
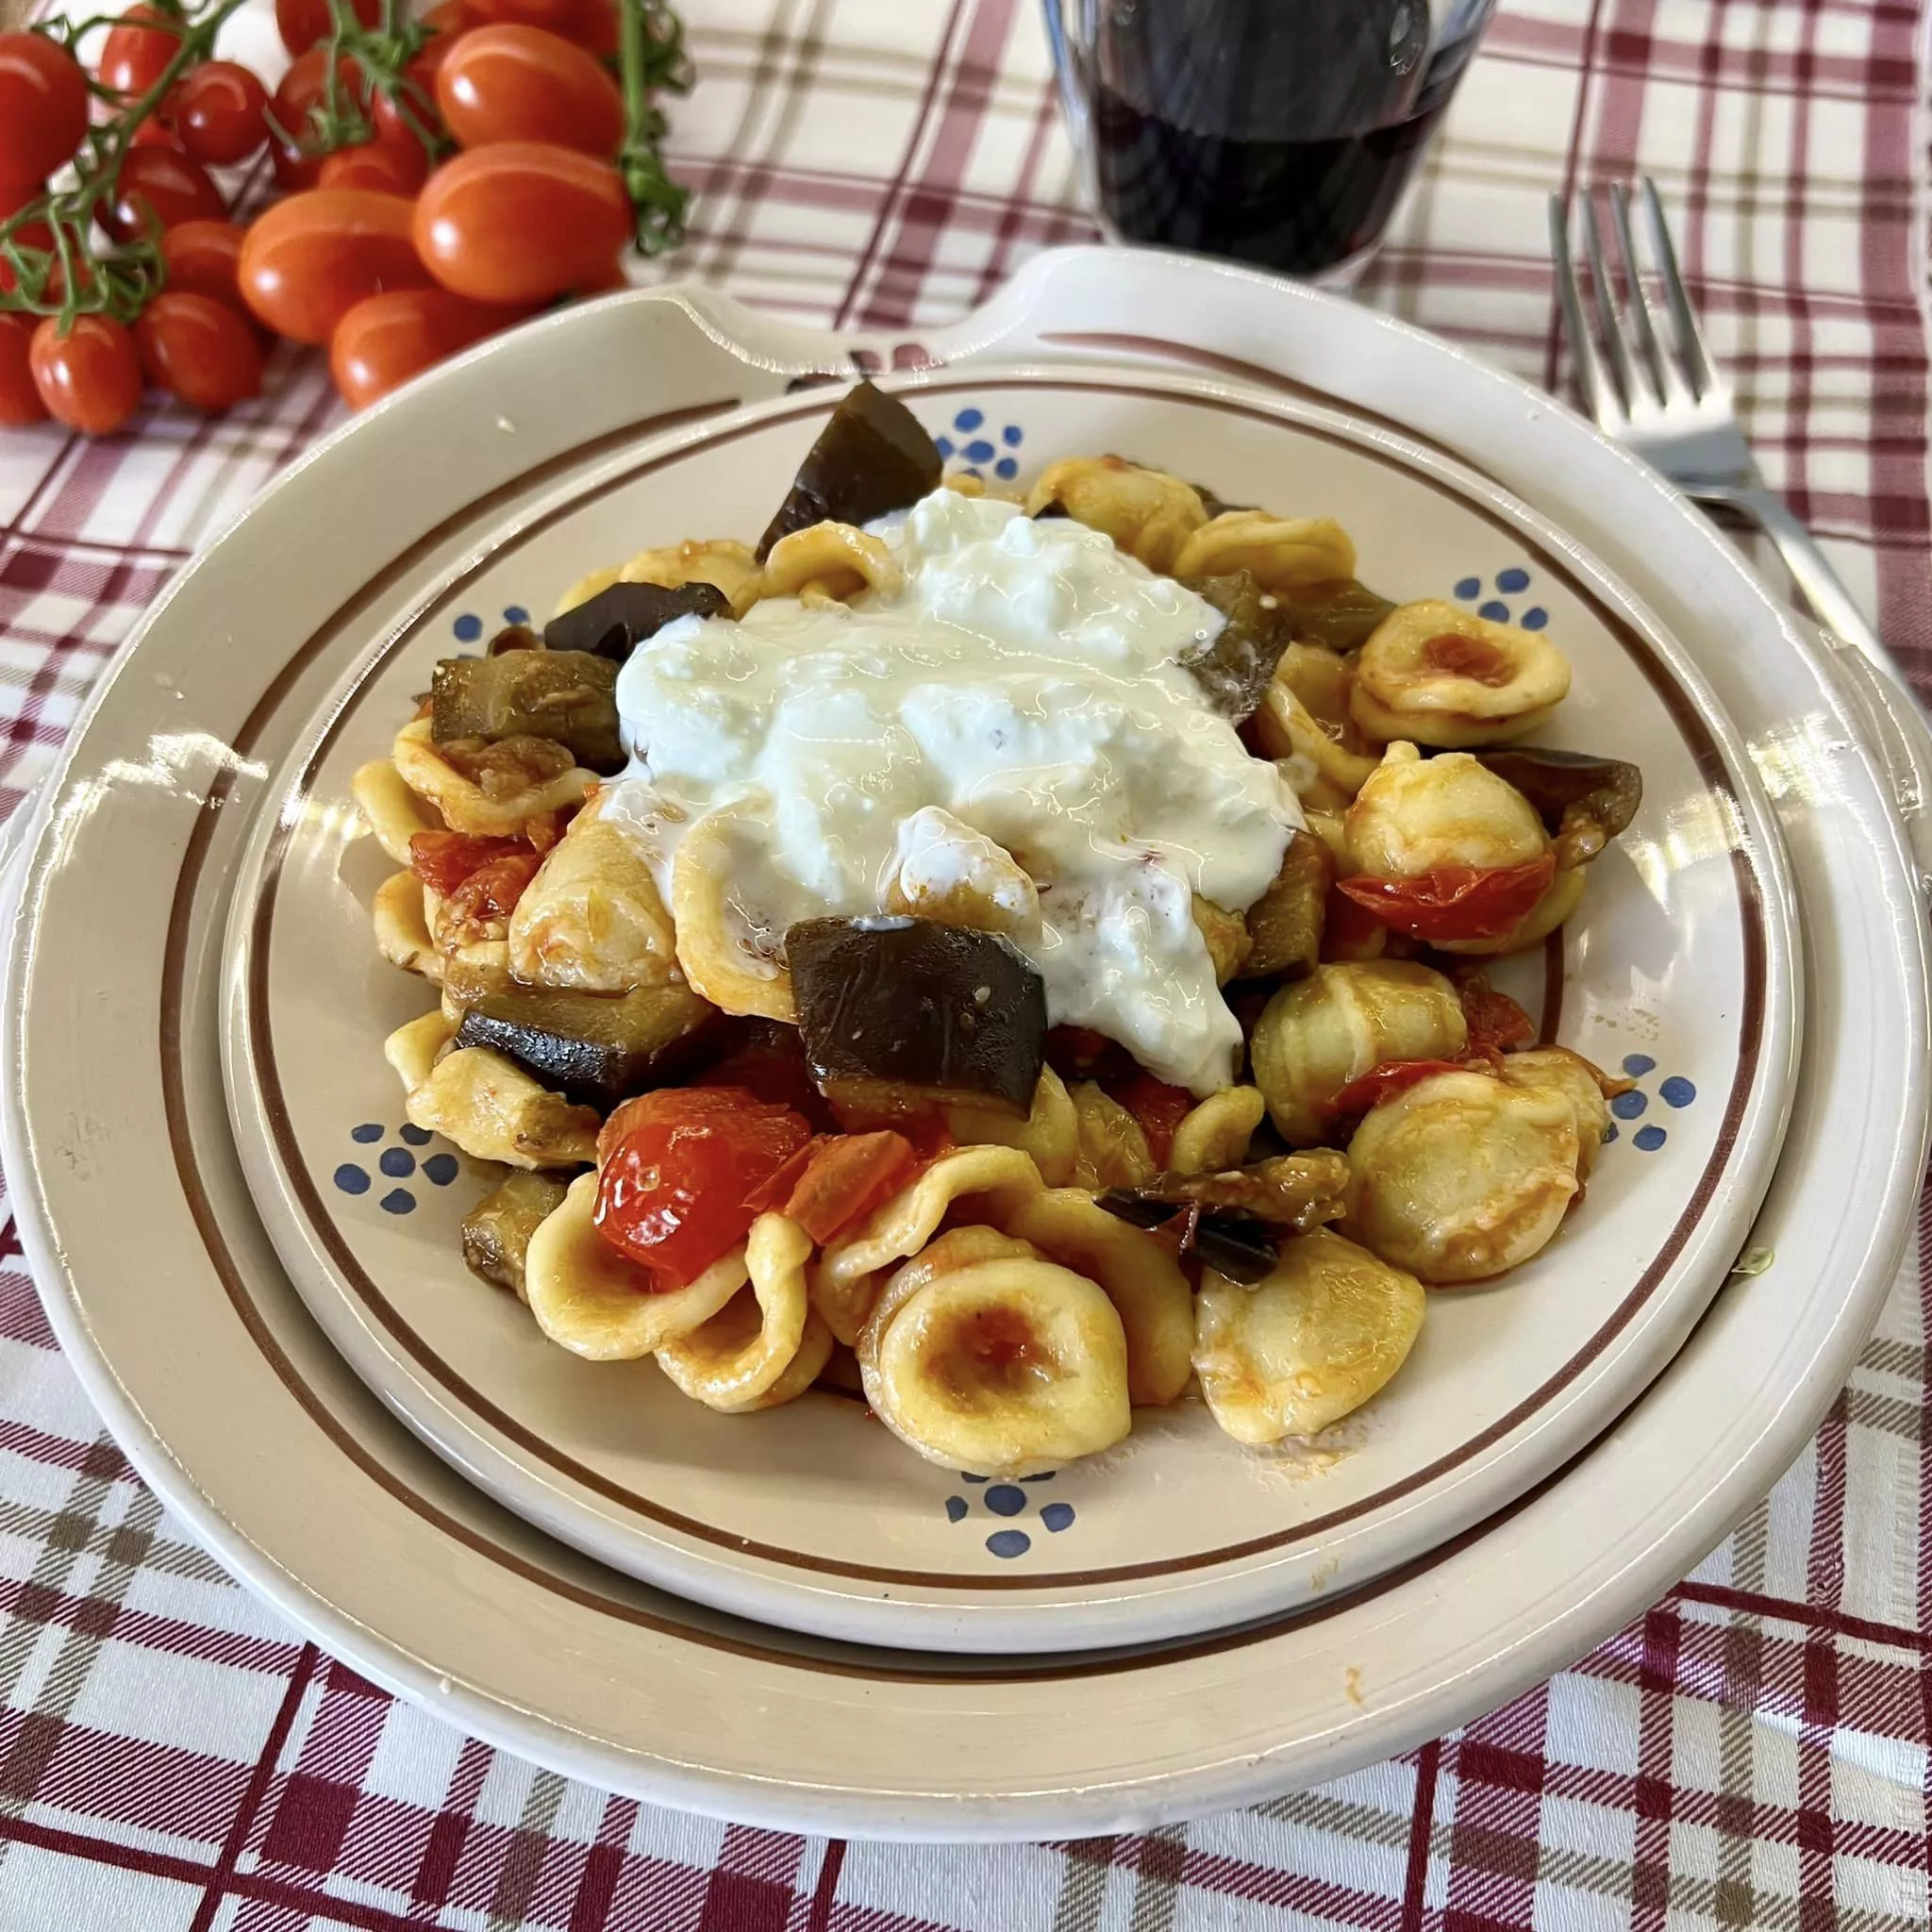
[(1024, 686)]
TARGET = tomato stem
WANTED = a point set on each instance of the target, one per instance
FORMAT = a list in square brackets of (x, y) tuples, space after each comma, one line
[(651, 57)]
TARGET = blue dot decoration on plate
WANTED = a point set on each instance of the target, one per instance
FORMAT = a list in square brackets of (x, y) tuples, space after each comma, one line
[(1675, 1090), (979, 451), (468, 627), (944, 446), (397, 1162), (1012, 1502), (973, 442), (969, 420), (1488, 597), (515, 613)]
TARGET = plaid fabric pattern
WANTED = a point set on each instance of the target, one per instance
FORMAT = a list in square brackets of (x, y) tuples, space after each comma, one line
[(1754, 1752)]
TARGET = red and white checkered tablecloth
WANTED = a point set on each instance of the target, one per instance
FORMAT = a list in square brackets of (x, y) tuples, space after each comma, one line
[(1754, 1752)]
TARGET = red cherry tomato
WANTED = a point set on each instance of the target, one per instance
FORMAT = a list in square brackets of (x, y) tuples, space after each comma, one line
[(521, 220), (302, 23), (302, 88), (198, 349), (566, 17), (443, 860), (1454, 902), (519, 83), (372, 165), (1384, 1081), (154, 132), (384, 341), (217, 110), (43, 105), (1495, 1020), (675, 1194), (20, 399), (157, 188), (89, 379), (1158, 1107), (205, 259), (14, 196), (135, 54), (310, 259), (842, 1178)]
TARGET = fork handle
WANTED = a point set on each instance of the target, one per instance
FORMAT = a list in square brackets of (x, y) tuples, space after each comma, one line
[(1824, 591)]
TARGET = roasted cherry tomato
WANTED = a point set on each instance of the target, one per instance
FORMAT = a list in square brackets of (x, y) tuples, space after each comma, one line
[(20, 397), (521, 220), (1495, 1020), (519, 83), (492, 892), (674, 1191), (136, 54), (158, 188), (1158, 1107), (385, 340), (89, 379), (1383, 1082), (843, 1178), (1454, 902), (43, 110), (443, 860), (310, 259), (302, 23), (205, 259), (217, 111), (375, 166), (199, 349), (768, 1061)]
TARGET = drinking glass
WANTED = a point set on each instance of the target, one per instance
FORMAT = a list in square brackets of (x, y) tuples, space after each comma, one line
[(1278, 132)]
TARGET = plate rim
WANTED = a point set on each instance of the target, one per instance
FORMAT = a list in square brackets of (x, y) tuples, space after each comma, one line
[(1697, 1518)]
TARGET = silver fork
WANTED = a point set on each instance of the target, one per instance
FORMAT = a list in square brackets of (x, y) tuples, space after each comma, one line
[(1670, 405)]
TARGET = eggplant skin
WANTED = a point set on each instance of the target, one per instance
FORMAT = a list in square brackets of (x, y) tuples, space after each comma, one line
[(1583, 800), (616, 620), (871, 458), (497, 1231), (918, 1011), (567, 697), (1235, 670), (594, 1048)]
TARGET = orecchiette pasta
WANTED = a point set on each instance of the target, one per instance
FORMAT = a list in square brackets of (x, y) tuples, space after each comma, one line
[(395, 812), (734, 1361), (1215, 1134), (847, 1280), (590, 1299), (1299, 1350), (402, 933), (1007, 1366), (1439, 674), (1280, 553), (953, 875), (1571, 1075), (1148, 513), (833, 558), (490, 1109), (722, 561), (1414, 815), (1325, 773), (1463, 1176), (496, 789), (1110, 1148), (716, 946), (1313, 1038), (1050, 1133)]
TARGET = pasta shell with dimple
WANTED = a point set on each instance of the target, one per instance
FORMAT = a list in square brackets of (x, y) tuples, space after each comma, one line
[(1416, 815), (1148, 513), (1005, 1367), (721, 561), (1569, 1073), (402, 933), (1280, 553), (493, 1110), (1442, 675), (845, 1283), (838, 559), (590, 1299), (1319, 1335), (526, 780), (412, 1048), (395, 814), (1215, 1134), (814, 1351), (1140, 1276), (591, 920), (1112, 1146), (1050, 1133), (716, 945), (732, 1361)]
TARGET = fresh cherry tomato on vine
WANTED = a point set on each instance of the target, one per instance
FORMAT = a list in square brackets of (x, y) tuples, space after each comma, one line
[(519, 83), (135, 55), (217, 111), (1454, 902), (20, 399), (372, 165), (14, 196), (154, 132), (158, 187), (304, 86), (385, 340), (205, 259), (302, 23), (198, 349), (521, 220), (310, 259), (44, 108), (89, 379)]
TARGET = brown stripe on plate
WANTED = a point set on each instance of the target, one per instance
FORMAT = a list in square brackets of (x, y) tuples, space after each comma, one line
[(1690, 726)]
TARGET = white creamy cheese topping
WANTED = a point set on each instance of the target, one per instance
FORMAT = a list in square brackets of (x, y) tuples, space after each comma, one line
[(1023, 681)]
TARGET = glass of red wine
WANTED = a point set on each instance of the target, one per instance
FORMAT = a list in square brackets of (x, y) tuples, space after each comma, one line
[(1276, 132)]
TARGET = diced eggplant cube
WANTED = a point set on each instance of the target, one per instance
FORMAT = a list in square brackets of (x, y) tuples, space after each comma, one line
[(595, 1048), (872, 457), (615, 622), (567, 697)]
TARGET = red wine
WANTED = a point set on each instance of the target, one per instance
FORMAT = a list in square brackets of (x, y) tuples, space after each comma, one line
[(1296, 207)]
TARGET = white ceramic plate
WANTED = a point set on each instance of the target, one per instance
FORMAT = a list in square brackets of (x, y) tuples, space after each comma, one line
[(811, 1515), (173, 1310)]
